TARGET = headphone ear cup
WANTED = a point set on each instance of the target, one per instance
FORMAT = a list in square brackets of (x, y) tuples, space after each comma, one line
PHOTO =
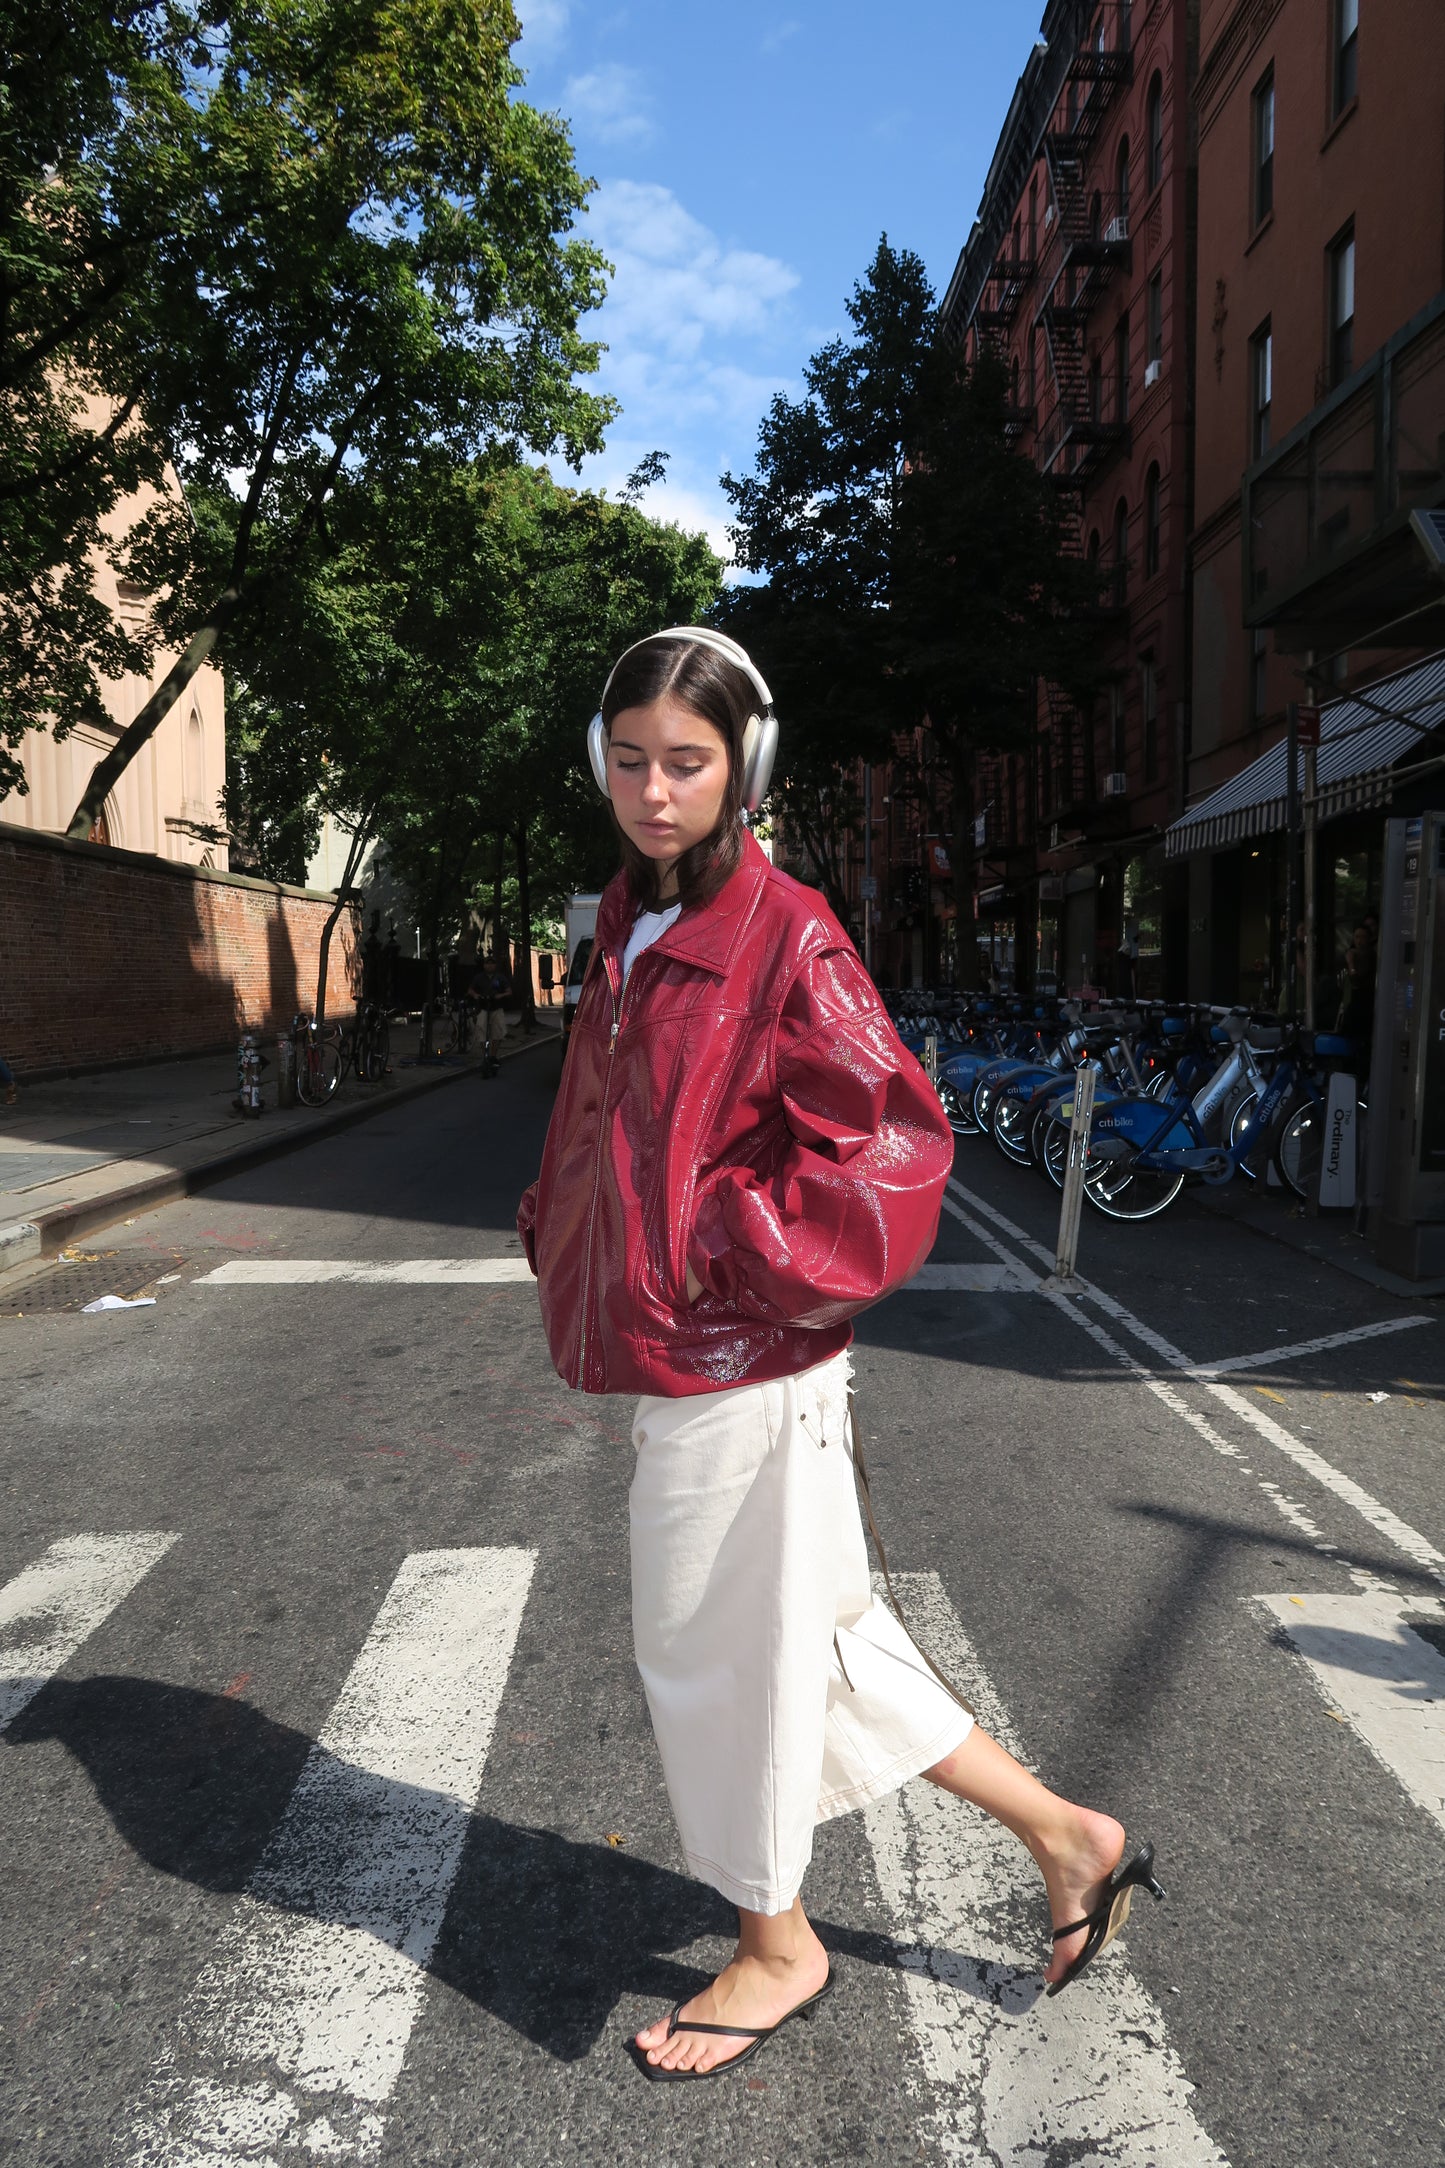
[(597, 754), (760, 750)]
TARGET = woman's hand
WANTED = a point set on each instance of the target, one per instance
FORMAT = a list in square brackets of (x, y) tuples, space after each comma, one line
[(694, 1285)]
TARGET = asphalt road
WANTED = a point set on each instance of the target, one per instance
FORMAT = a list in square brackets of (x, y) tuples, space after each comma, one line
[(365, 1513)]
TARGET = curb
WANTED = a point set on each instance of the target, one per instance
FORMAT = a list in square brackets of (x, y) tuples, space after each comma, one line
[(24, 1241)]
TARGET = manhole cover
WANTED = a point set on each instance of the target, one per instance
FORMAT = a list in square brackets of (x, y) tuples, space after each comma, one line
[(79, 1280)]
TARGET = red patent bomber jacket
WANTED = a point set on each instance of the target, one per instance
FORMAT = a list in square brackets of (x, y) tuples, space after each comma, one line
[(746, 1107)]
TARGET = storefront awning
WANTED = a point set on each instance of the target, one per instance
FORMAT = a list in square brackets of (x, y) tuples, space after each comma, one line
[(1361, 739)]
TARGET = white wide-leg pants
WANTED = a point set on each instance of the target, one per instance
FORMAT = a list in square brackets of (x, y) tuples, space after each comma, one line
[(749, 1582)]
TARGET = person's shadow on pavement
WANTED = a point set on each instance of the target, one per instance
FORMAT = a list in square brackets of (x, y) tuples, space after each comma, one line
[(545, 1933)]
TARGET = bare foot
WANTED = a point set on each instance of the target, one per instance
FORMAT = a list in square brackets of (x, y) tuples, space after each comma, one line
[(751, 1991), (1075, 1865)]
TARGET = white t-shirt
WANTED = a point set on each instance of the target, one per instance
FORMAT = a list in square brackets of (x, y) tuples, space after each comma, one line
[(650, 926)]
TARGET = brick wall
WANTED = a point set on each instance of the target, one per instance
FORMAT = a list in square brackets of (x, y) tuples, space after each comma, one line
[(109, 956)]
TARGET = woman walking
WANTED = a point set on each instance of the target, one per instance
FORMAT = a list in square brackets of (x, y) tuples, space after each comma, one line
[(742, 1157)]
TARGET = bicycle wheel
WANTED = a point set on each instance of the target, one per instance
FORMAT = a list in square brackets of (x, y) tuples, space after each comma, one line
[(957, 1109), (376, 1054), (1300, 1150), (1121, 1190), (1009, 1126), (318, 1072), (1242, 1126)]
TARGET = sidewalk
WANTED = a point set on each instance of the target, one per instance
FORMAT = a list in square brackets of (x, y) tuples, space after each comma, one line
[(78, 1153)]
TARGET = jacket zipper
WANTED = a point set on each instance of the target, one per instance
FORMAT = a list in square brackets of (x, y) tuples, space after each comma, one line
[(618, 1004)]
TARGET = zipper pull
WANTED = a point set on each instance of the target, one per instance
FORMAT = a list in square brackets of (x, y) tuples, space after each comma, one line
[(616, 1021)]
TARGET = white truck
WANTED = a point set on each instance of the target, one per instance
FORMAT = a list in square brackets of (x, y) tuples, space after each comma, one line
[(581, 929)]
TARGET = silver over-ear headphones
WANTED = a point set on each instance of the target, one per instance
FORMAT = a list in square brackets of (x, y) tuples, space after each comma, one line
[(760, 732)]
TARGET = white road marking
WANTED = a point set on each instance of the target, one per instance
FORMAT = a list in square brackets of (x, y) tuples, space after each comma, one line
[(385, 1271), (1005, 1279), (1270, 1355), (1015, 2078), (1386, 1681), (1405, 1539), (294, 2036), (54, 1606)]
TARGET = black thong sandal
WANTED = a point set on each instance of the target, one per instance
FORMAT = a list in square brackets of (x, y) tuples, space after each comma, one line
[(754, 2035), (1109, 1915)]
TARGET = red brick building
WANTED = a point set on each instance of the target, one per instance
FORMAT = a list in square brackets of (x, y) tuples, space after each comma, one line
[(1320, 425), (1079, 272)]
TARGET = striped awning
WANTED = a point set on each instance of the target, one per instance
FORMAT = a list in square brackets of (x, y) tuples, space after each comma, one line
[(1361, 740)]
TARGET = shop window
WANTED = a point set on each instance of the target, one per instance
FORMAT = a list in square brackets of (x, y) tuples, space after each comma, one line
[(1151, 522), (1342, 305), (1264, 148), (1154, 135), (1261, 389), (1346, 52)]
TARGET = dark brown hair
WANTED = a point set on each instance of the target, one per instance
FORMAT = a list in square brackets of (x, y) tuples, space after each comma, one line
[(701, 680)]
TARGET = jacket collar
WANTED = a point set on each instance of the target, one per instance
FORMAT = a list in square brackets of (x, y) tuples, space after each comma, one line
[(708, 935)]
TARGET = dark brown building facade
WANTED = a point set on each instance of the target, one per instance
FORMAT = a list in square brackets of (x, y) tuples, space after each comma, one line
[(1319, 427), (1079, 273)]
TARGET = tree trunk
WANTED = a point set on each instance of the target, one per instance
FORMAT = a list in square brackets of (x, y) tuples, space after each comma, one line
[(522, 976), (343, 898), (109, 769)]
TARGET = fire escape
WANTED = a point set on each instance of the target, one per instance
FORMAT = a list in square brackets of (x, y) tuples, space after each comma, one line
[(1087, 243)]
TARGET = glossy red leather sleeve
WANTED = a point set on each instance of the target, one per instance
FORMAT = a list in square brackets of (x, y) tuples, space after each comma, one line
[(849, 1210)]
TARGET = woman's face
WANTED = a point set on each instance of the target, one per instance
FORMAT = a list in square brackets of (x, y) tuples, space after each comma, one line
[(667, 770)]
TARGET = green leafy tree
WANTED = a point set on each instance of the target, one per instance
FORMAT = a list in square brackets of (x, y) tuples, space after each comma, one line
[(331, 236)]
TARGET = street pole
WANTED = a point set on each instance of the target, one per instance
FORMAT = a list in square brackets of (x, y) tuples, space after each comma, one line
[(1309, 838), (1291, 882), (868, 867), (1067, 1254)]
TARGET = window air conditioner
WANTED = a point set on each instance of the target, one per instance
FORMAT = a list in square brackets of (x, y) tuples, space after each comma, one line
[(1153, 373), (1117, 228), (1116, 785)]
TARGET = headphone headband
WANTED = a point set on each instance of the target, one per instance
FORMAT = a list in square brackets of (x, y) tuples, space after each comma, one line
[(760, 732)]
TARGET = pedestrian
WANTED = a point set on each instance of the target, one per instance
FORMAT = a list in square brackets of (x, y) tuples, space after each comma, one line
[(742, 1156), (7, 1082)]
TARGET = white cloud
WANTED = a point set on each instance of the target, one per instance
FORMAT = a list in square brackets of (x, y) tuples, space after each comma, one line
[(544, 27), (610, 101), (691, 324), (779, 35)]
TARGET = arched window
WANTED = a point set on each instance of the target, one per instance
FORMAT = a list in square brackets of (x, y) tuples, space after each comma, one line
[(194, 782), (1121, 553), (1154, 170), (1151, 520), (1121, 178)]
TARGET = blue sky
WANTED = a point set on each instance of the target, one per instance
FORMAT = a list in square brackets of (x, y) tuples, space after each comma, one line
[(748, 157)]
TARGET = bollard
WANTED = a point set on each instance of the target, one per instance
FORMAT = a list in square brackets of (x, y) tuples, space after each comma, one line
[(1073, 1201), (248, 1075), (930, 1057), (285, 1071)]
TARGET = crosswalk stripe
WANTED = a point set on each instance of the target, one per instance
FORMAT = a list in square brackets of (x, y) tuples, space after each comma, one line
[(1386, 1681), (294, 2036), (384, 1271), (58, 1603), (1014, 2078)]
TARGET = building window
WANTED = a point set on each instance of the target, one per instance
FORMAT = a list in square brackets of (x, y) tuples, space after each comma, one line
[(1096, 388), (1124, 25), (1342, 306), (1156, 318), (1116, 728), (1347, 46), (1121, 366), (1121, 179), (1154, 125), (1016, 240), (1261, 389), (1149, 694), (1034, 220), (1258, 676), (1014, 383), (1121, 553), (1264, 149), (1151, 521)]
